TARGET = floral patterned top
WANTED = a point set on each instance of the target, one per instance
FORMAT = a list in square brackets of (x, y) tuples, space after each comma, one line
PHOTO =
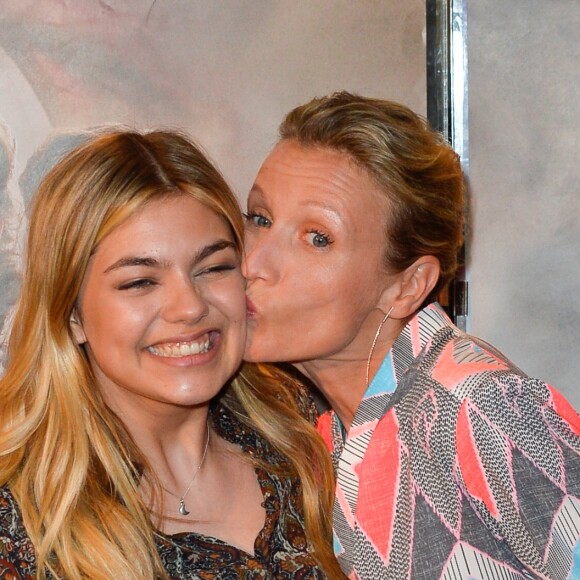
[(280, 550)]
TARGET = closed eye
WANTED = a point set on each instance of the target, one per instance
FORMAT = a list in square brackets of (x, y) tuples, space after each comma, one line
[(218, 269), (137, 284)]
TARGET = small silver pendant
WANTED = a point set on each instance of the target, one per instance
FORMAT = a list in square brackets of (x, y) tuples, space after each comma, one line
[(182, 509)]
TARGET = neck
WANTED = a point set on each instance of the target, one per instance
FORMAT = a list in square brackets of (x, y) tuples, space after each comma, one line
[(173, 443), (342, 384), (342, 380), (189, 436)]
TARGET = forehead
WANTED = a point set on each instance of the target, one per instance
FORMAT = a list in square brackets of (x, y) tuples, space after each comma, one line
[(316, 175), (176, 217), (292, 160)]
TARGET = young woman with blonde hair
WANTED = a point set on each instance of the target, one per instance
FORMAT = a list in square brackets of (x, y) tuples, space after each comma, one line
[(122, 453)]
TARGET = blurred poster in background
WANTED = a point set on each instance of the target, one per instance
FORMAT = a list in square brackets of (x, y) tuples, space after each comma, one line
[(225, 71)]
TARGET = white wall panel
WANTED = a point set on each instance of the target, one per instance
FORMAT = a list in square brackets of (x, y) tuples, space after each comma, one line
[(524, 78)]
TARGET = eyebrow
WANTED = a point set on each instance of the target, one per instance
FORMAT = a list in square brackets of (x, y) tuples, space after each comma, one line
[(150, 262), (326, 207), (256, 189)]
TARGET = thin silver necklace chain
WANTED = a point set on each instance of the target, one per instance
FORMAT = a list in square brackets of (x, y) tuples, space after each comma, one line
[(182, 507)]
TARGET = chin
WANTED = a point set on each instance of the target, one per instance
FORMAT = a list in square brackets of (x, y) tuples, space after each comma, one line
[(250, 356), (254, 354)]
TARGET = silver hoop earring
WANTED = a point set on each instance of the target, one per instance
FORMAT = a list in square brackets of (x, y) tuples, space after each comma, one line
[(373, 345)]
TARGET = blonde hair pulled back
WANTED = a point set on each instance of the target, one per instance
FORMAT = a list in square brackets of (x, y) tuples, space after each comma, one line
[(415, 168)]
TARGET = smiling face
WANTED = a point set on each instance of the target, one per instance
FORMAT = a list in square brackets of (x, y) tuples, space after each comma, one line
[(315, 240), (162, 308)]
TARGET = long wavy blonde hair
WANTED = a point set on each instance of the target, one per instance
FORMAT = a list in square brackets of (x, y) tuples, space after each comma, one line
[(68, 460)]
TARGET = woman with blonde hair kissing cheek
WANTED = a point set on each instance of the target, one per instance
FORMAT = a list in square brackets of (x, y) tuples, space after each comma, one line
[(451, 462), (130, 446)]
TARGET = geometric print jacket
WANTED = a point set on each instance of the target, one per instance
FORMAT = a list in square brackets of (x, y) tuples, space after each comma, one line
[(457, 466)]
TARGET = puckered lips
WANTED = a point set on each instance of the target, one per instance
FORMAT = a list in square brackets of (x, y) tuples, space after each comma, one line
[(250, 308), (186, 350)]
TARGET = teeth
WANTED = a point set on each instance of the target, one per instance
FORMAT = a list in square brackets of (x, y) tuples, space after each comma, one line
[(178, 349)]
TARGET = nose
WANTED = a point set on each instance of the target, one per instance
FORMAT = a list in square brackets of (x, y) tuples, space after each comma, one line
[(184, 302), (257, 262)]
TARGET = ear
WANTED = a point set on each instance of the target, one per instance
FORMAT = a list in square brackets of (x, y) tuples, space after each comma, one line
[(412, 287), (76, 327)]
